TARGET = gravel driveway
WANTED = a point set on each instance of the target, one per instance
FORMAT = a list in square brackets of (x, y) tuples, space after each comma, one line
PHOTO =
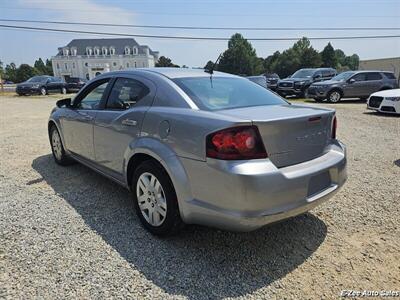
[(70, 233)]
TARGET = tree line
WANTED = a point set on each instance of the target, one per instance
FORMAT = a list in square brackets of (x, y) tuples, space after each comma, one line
[(23, 72), (241, 59)]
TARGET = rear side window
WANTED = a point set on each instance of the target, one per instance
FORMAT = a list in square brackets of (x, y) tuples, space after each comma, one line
[(225, 93), (328, 73), (374, 76), (259, 80), (126, 93), (389, 75)]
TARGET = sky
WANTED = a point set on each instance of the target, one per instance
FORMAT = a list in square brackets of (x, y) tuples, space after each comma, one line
[(21, 46)]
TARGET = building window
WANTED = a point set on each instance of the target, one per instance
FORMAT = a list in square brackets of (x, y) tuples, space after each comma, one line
[(96, 51), (135, 50), (66, 66), (112, 50), (87, 76), (127, 51), (65, 52), (73, 51), (58, 66), (73, 65), (127, 65), (104, 50), (114, 64), (135, 64), (89, 51), (86, 64), (144, 65)]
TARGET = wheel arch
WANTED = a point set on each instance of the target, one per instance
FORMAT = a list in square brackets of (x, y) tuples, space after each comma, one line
[(336, 88), (147, 148)]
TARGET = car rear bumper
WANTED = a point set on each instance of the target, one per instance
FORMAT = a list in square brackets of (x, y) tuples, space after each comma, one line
[(246, 195)]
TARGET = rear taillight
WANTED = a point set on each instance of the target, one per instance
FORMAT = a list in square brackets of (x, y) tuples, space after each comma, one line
[(235, 143), (334, 127)]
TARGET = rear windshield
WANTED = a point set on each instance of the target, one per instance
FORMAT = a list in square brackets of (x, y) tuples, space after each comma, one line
[(225, 93)]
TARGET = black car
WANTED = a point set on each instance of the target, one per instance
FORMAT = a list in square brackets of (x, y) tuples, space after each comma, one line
[(298, 83), (268, 81), (74, 84), (41, 85)]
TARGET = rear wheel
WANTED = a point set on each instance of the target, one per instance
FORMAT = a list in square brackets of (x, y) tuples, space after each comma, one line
[(334, 96), (43, 91), (63, 90), (57, 148), (155, 199)]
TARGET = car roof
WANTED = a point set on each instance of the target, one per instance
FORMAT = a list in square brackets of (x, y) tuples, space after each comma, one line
[(173, 72), (375, 71)]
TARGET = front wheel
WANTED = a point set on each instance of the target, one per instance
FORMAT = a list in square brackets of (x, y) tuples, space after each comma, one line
[(57, 148), (43, 91), (63, 90), (155, 199), (334, 96)]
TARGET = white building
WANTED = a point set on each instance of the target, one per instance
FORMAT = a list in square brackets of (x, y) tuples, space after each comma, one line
[(87, 58)]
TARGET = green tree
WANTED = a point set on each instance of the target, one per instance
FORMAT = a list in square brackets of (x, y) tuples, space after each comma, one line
[(165, 62), (352, 61), (270, 61), (24, 72), (340, 57), (10, 72), (240, 57), (209, 65), (49, 67), (328, 56)]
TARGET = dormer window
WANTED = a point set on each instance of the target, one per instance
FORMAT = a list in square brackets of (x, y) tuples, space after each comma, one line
[(89, 51), (65, 52), (127, 51), (73, 51), (97, 51), (112, 50), (104, 50), (135, 50)]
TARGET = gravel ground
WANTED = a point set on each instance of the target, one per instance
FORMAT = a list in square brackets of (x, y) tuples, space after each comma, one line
[(70, 233)]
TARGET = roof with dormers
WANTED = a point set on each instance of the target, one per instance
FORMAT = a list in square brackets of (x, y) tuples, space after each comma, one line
[(118, 44)]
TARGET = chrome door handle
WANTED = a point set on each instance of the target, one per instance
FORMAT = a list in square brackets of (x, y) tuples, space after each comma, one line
[(129, 122)]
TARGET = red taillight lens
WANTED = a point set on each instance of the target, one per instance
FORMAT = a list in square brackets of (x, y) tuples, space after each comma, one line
[(236, 143), (334, 127)]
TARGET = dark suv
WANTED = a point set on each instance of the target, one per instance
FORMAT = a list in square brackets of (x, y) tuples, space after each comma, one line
[(352, 84), (41, 85), (269, 81), (74, 84), (298, 83)]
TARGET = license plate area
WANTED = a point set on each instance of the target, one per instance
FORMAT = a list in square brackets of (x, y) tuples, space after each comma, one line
[(318, 183)]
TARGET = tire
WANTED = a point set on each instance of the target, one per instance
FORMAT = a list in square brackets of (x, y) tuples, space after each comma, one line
[(63, 91), (158, 210), (57, 148), (334, 96), (43, 91)]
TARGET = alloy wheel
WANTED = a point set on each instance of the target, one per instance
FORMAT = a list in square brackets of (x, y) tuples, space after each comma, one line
[(64, 90), (334, 97), (43, 91), (56, 144), (151, 199)]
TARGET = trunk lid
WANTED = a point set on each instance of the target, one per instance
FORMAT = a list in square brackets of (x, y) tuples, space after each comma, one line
[(291, 133)]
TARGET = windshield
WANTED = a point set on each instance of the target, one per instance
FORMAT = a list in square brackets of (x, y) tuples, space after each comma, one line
[(303, 73), (225, 93), (343, 76), (37, 79)]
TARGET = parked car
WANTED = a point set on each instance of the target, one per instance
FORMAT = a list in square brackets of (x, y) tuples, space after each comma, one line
[(352, 84), (298, 83), (272, 80), (385, 101), (41, 85), (193, 148), (268, 81), (8, 82), (74, 84)]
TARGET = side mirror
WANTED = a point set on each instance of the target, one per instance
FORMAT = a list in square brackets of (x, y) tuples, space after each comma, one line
[(64, 103), (352, 80)]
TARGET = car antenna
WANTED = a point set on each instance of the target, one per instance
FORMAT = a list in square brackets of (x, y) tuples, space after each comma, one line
[(211, 70)]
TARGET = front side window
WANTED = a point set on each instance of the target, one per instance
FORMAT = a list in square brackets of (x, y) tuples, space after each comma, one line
[(126, 93), (226, 93), (374, 76), (359, 77), (93, 96)]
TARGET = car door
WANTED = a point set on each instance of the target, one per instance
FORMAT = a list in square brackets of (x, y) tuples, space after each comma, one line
[(77, 124), (374, 82), (356, 86), (51, 85), (119, 124)]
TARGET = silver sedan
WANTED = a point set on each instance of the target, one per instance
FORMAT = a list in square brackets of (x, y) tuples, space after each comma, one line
[(199, 148)]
